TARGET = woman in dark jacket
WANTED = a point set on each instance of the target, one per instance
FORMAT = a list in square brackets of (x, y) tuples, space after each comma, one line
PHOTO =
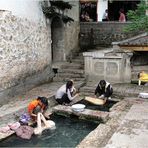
[(104, 90)]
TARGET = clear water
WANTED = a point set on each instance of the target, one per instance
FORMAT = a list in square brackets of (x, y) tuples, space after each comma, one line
[(68, 133), (105, 107)]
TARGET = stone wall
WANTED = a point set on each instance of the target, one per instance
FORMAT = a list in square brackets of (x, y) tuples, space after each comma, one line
[(71, 31), (65, 37), (25, 54), (71, 39), (101, 33)]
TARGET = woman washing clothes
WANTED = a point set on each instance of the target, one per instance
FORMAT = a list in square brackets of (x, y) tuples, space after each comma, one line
[(104, 90), (65, 94), (37, 109), (38, 105)]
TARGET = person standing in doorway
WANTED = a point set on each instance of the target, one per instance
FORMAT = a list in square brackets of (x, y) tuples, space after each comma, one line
[(122, 16), (105, 16)]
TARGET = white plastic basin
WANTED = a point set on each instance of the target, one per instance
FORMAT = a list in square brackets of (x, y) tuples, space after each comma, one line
[(143, 95), (78, 107)]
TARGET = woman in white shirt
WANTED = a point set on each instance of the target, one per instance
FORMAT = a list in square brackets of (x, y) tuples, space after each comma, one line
[(65, 93)]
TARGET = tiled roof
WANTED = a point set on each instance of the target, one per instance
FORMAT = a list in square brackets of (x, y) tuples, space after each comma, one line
[(141, 40)]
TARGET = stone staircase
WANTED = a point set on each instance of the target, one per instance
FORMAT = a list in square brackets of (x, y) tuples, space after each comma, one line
[(74, 69), (88, 89)]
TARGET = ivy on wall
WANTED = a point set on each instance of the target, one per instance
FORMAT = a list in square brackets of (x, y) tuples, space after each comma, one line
[(138, 18), (53, 9)]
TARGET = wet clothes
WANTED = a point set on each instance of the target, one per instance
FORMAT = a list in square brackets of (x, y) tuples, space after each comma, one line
[(24, 131), (106, 91)]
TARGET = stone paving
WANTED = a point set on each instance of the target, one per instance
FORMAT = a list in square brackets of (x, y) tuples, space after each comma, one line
[(127, 119), (124, 130), (120, 89), (133, 130), (129, 89), (13, 109), (86, 114)]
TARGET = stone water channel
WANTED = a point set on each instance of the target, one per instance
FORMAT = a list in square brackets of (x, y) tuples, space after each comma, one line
[(110, 121), (70, 132)]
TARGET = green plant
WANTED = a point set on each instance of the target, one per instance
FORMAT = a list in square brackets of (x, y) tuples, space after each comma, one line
[(56, 9), (138, 18)]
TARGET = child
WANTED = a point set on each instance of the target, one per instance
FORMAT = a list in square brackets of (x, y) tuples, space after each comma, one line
[(38, 105)]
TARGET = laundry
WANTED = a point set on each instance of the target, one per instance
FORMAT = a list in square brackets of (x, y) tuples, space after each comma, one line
[(47, 124), (14, 126), (10, 127), (24, 132), (95, 101), (5, 129)]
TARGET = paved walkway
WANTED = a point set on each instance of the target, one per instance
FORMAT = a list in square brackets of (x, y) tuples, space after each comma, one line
[(133, 131), (129, 89)]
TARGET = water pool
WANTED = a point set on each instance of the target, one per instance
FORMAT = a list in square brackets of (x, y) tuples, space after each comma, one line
[(68, 133)]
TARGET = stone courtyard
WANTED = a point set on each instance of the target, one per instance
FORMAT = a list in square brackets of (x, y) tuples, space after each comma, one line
[(38, 54), (117, 122)]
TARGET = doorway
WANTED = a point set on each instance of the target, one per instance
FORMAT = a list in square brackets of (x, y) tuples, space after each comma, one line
[(115, 6), (57, 36)]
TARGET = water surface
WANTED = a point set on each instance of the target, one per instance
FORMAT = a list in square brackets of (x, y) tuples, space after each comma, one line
[(68, 133)]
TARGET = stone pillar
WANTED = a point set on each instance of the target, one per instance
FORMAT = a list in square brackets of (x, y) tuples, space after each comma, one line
[(127, 67)]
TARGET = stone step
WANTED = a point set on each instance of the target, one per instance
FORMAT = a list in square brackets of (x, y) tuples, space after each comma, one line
[(140, 68), (87, 87), (126, 90), (74, 71), (61, 79), (70, 75), (86, 114), (81, 61), (73, 66)]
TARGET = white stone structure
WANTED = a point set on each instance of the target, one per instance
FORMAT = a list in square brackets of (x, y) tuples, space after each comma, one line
[(109, 65)]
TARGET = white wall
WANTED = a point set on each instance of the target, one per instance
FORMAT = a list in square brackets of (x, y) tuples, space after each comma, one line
[(102, 5), (74, 12), (29, 9)]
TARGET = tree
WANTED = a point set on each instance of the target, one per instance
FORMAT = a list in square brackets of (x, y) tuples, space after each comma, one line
[(56, 9), (138, 18)]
